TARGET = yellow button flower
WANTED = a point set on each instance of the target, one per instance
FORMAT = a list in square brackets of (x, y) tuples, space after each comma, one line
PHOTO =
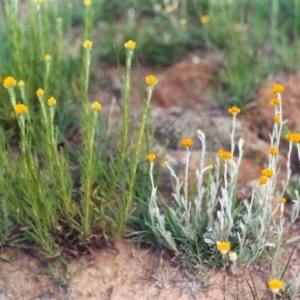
[(234, 110), (263, 180), (96, 106), (293, 137), (274, 151), (9, 82), (277, 88), (277, 119), (87, 2), (205, 19), (151, 157), (224, 154), (267, 172), (130, 45), (282, 200), (20, 109), (187, 143), (275, 285), (182, 22), (40, 92), (51, 101), (151, 80), (47, 57), (232, 256), (87, 44), (275, 101), (21, 83), (223, 247)]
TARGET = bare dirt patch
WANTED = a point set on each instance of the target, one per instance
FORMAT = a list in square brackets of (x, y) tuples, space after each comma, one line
[(127, 272)]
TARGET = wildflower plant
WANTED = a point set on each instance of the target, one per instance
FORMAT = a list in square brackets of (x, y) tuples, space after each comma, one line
[(40, 198), (213, 226)]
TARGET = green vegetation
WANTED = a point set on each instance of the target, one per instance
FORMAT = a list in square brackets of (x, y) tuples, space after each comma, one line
[(66, 196)]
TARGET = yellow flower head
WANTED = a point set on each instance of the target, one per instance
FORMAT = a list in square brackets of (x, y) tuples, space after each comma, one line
[(224, 154), (96, 106), (51, 101), (87, 44), (267, 172), (21, 83), (9, 82), (234, 110), (282, 200), (151, 157), (87, 2), (151, 80), (187, 143), (40, 92), (277, 88), (223, 247), (47, 57), (277, 119), (232, 256), (20, 109), (263, 180), (38, 1), (293, 137), (205, 19), (275, 101), (182, 22), (130, 45), (170, 7), (275, 285), (166, 163), (274, 151)]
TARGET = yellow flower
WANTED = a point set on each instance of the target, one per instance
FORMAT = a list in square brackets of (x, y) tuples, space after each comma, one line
[(40, 92), (224, 154), (275, 285), (234, 110), (223, 247), (151, 80), (47, 57), (87, 2), (277, 88), (151, 157), (21, 83), (130, 45), (169, 8), (273, 151), (210, 167), (87, 44), (282, 200), (51, 101), (232, 256), (277, 119), (20, 109), (38, 1), (9, 82), (182, 22), (96, 106), (165, 163), (263, 180), (187, 143), (293, 137), (205, 19), (267, 172), (275, 101)]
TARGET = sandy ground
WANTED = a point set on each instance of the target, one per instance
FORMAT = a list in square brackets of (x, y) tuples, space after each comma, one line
[(128, 272)]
